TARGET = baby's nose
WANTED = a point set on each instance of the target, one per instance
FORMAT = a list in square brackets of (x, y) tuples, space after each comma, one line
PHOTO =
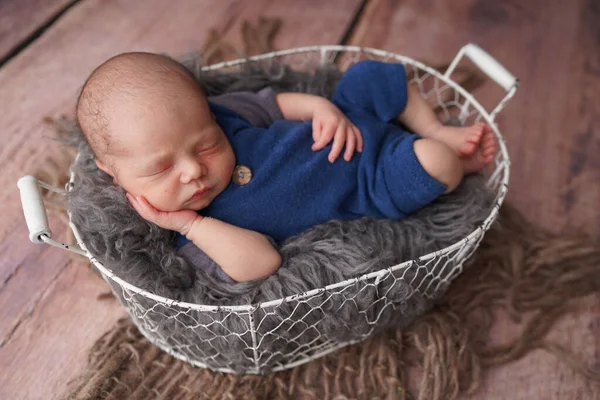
[(192, 171)]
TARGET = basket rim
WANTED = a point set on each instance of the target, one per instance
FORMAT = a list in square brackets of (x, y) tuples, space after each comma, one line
[(324, 49)]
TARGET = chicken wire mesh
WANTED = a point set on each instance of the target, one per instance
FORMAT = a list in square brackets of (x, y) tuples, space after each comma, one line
[(266, 337), (272, 336)]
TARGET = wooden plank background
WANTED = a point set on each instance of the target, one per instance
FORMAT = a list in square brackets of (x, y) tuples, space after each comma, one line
[(49, 308), (23, 19)]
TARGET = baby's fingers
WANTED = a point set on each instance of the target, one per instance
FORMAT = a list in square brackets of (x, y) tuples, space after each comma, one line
[(324, 136), (134, 202), (338, 143), (359, 139), (350, 144), (316, 130), (143, 208)]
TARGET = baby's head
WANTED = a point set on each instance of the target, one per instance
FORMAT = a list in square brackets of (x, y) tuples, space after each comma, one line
[(148, 122)]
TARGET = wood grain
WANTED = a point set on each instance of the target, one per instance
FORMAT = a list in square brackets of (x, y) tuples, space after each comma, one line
[(549, 125), (43, 298), (36, 268), (19, 19), (50, 346), (553, 132), (580, 191)]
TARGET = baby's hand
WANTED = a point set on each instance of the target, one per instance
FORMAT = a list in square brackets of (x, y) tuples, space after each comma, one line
[(179, 221), (330, 123)]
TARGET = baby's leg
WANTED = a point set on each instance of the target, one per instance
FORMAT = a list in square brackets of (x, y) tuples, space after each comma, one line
[(440, 161), (476, 144)]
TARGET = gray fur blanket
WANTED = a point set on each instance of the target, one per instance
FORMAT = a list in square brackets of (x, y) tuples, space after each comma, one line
[(142, 254)]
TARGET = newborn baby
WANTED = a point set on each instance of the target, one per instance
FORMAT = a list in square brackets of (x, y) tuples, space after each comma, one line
[(226, 172)]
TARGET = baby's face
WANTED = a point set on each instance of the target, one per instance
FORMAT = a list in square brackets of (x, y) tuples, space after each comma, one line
[(177, 157)]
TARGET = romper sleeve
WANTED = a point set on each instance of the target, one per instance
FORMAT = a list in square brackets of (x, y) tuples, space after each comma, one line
[(200, 260), (260, 108), (373, 87)]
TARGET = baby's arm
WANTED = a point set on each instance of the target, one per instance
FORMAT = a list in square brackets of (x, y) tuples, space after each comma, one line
[(328, 123), (242, 254), (300, 106)]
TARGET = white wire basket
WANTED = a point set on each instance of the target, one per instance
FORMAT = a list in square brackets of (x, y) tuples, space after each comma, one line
[(207, 335)]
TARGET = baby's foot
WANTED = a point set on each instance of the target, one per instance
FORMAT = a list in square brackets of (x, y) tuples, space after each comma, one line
[(484, 153), (464, 140)]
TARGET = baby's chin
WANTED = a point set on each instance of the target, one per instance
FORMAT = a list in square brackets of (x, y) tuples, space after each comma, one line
[(195, 205)]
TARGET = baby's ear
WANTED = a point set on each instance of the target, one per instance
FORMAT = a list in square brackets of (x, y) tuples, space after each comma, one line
[(101, 165)]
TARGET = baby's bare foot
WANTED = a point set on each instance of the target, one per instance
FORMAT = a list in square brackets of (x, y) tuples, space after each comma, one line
[(464, 140), (484, 152)]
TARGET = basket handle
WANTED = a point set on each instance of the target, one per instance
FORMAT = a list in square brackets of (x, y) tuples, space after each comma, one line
[(492, 68), (34, 211)]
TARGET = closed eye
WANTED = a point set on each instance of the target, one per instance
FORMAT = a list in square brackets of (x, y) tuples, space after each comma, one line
[(159, 172), (207, 149)]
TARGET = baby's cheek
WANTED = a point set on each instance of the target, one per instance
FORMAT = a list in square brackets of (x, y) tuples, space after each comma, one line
[(170, 196), (157, 195), (159, 200)]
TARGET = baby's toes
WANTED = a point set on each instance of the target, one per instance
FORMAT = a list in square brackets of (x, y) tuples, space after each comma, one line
[(488, 156), (487, 129), (475, 133), (489, 150)]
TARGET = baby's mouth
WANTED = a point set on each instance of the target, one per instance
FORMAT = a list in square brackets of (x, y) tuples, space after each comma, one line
[(199, 194)]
